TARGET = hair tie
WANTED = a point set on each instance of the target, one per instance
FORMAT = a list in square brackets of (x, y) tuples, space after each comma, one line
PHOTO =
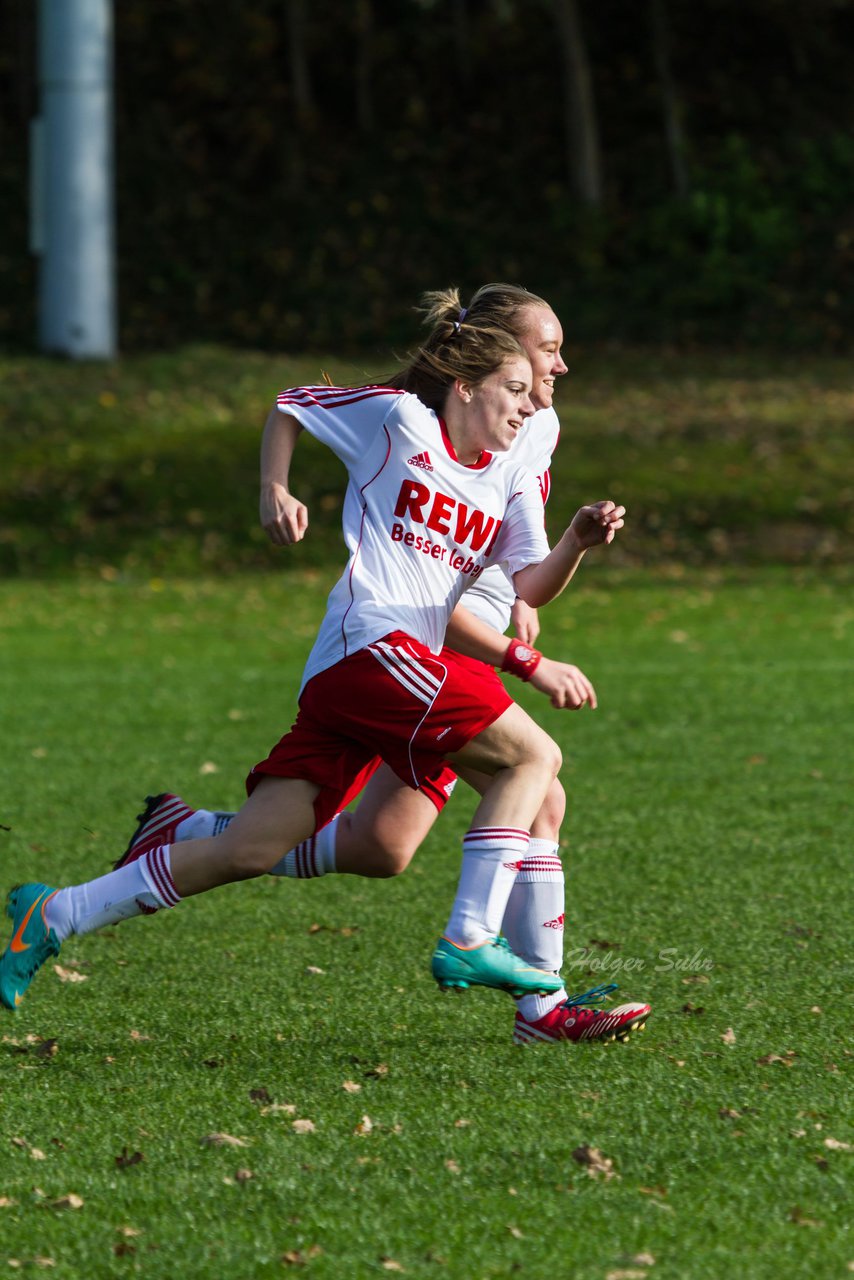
[(460, 318)]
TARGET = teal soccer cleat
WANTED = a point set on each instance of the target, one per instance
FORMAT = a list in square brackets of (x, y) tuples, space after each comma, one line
[(31, 944), (492, 964)]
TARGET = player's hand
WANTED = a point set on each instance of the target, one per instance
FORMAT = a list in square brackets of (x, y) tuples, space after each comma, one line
[(597, 523), (526, 622), (564, 685), (283, 516)]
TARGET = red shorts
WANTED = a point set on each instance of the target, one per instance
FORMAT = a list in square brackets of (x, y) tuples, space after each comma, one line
[(393, 699)]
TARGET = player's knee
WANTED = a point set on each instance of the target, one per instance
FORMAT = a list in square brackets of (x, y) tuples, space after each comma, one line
[(553, 811), (385, 863)]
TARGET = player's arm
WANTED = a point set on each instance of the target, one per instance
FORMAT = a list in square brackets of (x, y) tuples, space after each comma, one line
[(591, 526), (283, 516), (563, 684), (526, 622)]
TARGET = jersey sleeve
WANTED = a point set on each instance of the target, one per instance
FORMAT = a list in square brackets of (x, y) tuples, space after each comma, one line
[(346, 419), (522, 540)]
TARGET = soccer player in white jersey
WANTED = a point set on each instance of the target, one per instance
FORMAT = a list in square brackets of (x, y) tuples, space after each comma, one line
[(374, 683), (380, 837)]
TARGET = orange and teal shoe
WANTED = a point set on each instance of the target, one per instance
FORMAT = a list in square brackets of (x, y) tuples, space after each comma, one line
[(31, 944), (491, 964)]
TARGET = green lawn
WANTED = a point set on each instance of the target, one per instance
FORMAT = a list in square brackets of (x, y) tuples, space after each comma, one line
[(708, 848)]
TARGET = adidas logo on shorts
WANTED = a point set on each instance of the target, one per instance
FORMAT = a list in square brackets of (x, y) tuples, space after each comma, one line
[(421, 460)]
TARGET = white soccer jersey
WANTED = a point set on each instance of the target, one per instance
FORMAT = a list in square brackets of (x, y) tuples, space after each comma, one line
[(492, 597), (420, 526)]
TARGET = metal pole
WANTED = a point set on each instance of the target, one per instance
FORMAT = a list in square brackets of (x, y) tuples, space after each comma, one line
[(73, 219)]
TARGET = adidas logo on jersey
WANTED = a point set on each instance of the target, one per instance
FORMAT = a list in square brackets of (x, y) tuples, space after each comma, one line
[(421, 460)]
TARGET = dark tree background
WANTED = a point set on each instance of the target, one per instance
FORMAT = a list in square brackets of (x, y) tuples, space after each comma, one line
[(292, 173)]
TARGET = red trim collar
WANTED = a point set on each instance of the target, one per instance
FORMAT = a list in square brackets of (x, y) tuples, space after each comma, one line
[(483, 461)]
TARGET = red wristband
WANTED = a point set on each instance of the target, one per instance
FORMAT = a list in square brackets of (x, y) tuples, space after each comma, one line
[(520, 660)]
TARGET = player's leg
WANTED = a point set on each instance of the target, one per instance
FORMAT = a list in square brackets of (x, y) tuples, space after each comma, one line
[(280, 810), (380, 836), (522, 762)]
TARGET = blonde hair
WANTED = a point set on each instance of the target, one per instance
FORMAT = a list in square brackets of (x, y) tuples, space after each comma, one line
[(464, 342)]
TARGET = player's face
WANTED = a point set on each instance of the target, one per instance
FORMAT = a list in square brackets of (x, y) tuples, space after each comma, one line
[(541, 336), (497, 407)]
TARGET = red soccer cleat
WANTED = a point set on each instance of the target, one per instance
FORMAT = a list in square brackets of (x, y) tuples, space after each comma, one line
[(573, 1020), (155, 826)]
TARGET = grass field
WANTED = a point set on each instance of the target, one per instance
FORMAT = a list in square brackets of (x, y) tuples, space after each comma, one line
[(708, 850)]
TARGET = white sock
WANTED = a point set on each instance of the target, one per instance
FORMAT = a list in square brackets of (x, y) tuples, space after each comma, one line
[(313, 857), (202, 823), (492, 857), (138, 888), (534, 919)]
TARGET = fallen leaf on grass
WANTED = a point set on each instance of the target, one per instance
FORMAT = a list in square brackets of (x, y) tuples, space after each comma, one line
[(138, 1036), (71, 1201), (69, 975), (688, 1007), (452, 1166), (127, 1159), (40, 1261), (594, 1162), (129, 1232), (800, 1219), (6, 1202), (461, 1123), (36, 1154), (277, 1108), (643, 1260), (364, 1127), (298, 1258), (389, 1264), (728, 1036), (833, 1144), (47, 1049), (377, 1072), (624, 1273), (695, 977), (729, 1113), (122, 1249), (260, 1095), (244, 1175), (350, 1086), (787, 1060), (516, 1233), (303, 1126), (223, 1140), (314, 970), (653, 1191)]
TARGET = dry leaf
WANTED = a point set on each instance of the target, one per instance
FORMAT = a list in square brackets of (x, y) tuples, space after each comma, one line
[(129, 1232), (378, 1071), (123, 1250), (276, 1108), (208, 767), (6, 1202), (594, 1162), (47, 1049), (695, 977), (643, 1260), (138, 1036), (223, 1140), (729, 1113), (71, 1201), (623, 1273), (350, 1086), (41, 1261), (452, 1166), (786, 1061), (797, 1216), (19, 1142), (128, 1159), (303, 1126), (313, 969), (461, 1123), (69, 975), (35, 1154), (295, 1258), (259, 1095), (728, 1036), (653, 1191), (389, 1264), (364, 1127), (516, 1233), (244, 1175), (833, 1145), (688, 1007)]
